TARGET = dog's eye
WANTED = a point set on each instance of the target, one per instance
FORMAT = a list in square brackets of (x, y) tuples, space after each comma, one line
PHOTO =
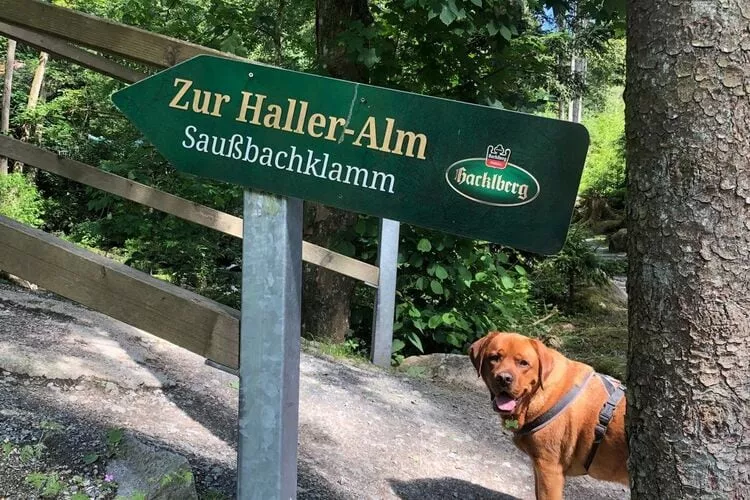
[(494, 357), (523, 363)]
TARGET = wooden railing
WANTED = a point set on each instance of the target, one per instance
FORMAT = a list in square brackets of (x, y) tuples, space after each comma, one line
[(87, 40)]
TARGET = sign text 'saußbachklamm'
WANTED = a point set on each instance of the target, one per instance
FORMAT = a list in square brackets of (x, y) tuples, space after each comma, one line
[(295, 117)]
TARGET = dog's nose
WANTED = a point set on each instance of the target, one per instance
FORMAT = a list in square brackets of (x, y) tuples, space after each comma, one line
[(505, 378)]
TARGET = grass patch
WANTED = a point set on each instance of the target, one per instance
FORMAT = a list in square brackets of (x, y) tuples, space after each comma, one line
[(349, 349)]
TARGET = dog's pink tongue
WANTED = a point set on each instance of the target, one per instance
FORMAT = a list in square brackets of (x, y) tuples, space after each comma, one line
[(505, 403)]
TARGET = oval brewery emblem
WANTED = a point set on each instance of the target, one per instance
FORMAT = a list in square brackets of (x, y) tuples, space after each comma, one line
[(492, 181)]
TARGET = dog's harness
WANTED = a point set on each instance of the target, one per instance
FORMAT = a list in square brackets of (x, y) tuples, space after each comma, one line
[(614, 388)]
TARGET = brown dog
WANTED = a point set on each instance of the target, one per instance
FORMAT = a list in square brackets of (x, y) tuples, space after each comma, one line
[(526, 379)]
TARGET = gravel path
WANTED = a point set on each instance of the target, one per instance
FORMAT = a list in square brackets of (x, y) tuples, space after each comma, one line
[(364, 433)]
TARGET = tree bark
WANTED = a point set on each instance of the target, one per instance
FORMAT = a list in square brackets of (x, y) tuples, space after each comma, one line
[(10, 61), (688, 143), (327, 295)]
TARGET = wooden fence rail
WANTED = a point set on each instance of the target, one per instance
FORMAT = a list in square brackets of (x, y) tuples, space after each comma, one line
[(100, 34), (78, 37), (184, 318), (72, 53), (165, 202)]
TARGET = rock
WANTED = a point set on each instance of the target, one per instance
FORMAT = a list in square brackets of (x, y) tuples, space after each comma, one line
[(455, 369), (140, 469), (618, 242), (564, 327), (606, 297)]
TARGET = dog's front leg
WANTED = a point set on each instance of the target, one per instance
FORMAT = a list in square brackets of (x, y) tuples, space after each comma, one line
[(549, 481)]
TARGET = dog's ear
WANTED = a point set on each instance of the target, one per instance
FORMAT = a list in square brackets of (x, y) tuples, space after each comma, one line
[(476, 351), (546, 360)]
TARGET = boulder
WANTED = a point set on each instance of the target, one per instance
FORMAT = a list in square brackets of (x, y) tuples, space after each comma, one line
[(618, 242), (455, 369), (140, 470)]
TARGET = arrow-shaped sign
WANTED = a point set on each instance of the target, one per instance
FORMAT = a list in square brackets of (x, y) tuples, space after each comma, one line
[(465, 169)]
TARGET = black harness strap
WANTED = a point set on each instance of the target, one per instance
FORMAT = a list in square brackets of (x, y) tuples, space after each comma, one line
[(616, 392), (548, 416)]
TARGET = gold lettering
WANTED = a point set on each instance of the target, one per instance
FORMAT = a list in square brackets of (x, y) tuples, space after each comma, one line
[(369, 131), (302, 116), (317, 120), (186, 84), (290, 115), (411, 139), (388, 133), (245, 107), (333, 124), (201, 105), (273, 118), (219, 101)]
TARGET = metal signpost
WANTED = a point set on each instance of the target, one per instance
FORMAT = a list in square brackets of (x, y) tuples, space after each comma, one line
[(469, 170)]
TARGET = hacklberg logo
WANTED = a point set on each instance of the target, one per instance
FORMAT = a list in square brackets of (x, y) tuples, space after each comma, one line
[(493, 180), (497, 157)]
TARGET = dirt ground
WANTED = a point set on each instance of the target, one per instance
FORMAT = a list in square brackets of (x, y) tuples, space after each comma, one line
[(73, 375)]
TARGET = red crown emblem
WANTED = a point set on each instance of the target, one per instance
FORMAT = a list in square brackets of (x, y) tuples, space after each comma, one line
[(497, 156)]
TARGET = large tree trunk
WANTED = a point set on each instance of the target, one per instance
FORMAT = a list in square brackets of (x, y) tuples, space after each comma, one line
[(688, 142), (10, 62), (327, 295)]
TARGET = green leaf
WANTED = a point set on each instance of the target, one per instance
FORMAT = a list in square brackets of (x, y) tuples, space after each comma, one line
[(419, 284), (435, 321), (361, 227), (440, 272), (446, 16), (511, 424), (424, 245), (449, 318), (505, 32), (464, 273), (478, 3), (397, 345), (453, 340), (520, 270), (90, 458), (114, 436), (416, 259), (370, 58), (436, 287), (414, 313), (507, 281), (414, 339), (492, 28), (480, 276)]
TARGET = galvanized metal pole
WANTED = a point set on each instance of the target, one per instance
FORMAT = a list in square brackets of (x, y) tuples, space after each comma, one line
[(270, 347), (385, 302)]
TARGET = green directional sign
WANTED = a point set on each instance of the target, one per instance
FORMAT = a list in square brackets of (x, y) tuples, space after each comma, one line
[(465, 169)]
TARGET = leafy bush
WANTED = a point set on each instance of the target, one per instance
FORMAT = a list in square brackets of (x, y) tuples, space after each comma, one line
[(20, 200), (450, 290), (556, 278)]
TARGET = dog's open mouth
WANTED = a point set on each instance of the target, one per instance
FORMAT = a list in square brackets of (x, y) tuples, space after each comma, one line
[(504, 403)]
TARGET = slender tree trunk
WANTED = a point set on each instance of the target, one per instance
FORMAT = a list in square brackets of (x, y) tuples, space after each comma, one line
[(10, 61), (34, 93), (327, 295), (36, 83), (688, 143)]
